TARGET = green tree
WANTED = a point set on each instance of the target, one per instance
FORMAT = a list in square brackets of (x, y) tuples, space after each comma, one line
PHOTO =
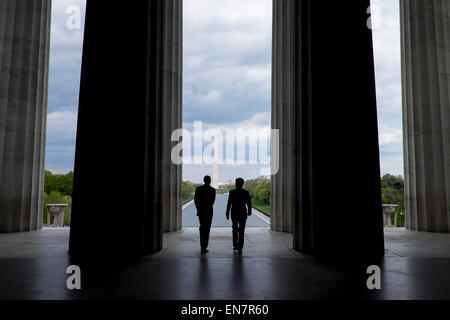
[(64, 183), (250, 186), (188, 188), (391, 196), (58, 182), (394, 182), (49, 182), (262, 191)]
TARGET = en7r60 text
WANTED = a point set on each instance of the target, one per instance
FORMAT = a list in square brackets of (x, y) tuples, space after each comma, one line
[(246, 309)]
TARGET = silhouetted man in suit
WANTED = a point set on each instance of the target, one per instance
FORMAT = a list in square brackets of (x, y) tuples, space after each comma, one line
[(241, 206), (205, 196)]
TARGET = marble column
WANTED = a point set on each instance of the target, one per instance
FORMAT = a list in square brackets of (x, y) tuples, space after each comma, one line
[(425, 33), (24, 64), (172, 114), (282, 200), (327, 191), (125, 184)]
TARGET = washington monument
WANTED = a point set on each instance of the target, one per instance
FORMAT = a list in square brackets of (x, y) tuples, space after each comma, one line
[(215, 182)]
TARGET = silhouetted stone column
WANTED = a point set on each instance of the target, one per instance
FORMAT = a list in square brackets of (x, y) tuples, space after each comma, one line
[(327, 190), (24, 63), (425, 34), (172, 114), (130, 101), (283, 112)]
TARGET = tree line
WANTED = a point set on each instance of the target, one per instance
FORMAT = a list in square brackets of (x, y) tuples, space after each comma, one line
[(259, 189), (58, 189)]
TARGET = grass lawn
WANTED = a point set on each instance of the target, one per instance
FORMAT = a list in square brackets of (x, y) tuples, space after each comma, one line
[(186, 199), (261, 206)]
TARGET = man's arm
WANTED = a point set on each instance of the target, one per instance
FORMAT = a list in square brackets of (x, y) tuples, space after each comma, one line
[(228, 206), (196, 199), (249, 205), (214, 199)]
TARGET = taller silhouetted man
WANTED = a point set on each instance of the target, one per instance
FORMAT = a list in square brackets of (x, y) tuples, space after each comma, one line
[(205, 196), (240, 203)]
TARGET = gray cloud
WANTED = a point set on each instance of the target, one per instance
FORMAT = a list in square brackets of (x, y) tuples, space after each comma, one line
[(227, 74), (64, 79), (227, 59), (386, 34)]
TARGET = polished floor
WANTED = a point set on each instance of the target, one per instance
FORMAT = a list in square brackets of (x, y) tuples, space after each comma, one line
[(33, 266)]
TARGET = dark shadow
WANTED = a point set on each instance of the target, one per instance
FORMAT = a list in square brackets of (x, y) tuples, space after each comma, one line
[(204, 278), (238, 275)]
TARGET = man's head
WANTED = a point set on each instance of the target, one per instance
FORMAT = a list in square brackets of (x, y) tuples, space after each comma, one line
[(239, 183), (207, 180)]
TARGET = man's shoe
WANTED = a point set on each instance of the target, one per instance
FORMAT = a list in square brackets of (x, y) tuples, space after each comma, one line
[(205, 251), (239, 251), (235, 249)]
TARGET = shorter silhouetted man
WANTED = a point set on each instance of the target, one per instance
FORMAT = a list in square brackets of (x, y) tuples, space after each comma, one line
[(205, 196), (241, 206)]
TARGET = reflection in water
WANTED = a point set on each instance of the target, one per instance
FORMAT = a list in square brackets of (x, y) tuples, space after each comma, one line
[(190, 218)]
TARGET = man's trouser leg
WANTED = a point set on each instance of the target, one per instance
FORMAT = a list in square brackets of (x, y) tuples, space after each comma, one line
[(235, 232), (242, 223), (238, 231), (205, 228)]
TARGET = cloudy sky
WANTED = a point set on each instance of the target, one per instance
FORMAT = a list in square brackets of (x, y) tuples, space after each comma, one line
[(65, 63), (227, 76)]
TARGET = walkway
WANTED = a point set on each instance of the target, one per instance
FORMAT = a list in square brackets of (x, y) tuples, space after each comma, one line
[(219, 218), (33, 265)]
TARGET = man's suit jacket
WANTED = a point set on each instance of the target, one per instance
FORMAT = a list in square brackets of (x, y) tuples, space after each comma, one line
[(240, 203), (204, 199)]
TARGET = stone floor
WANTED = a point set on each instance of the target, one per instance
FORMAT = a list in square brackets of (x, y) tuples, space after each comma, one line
[(33, 265)]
